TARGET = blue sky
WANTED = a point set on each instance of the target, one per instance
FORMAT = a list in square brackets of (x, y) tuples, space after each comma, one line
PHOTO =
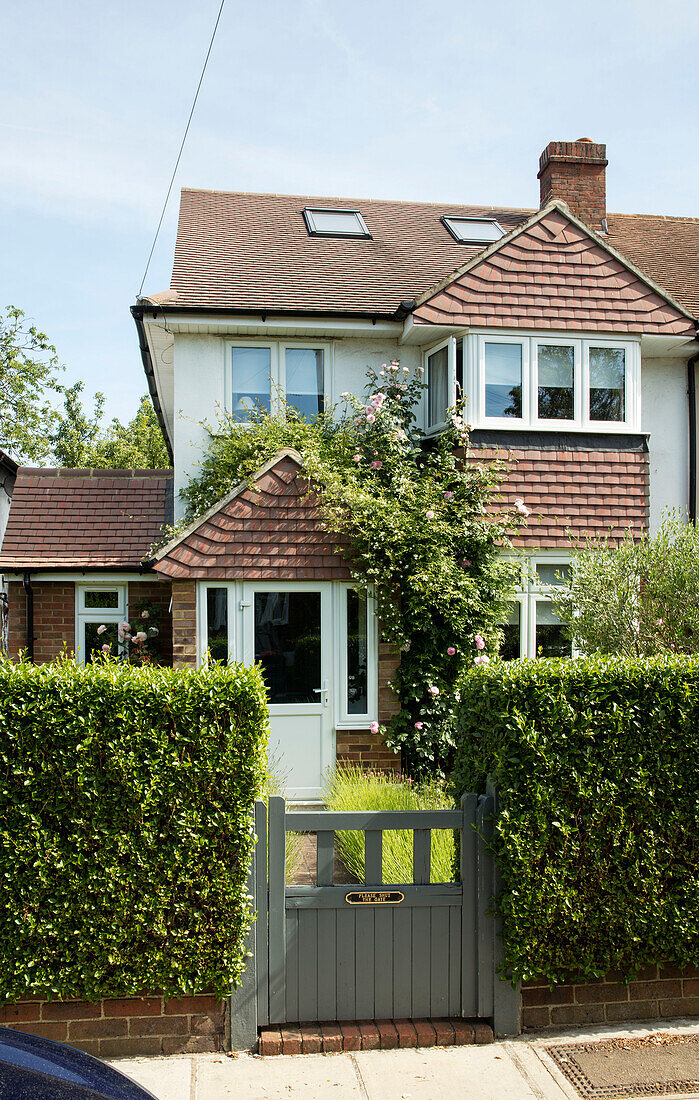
[(450, 102)]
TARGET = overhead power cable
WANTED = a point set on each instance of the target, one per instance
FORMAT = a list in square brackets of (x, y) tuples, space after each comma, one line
[(179, 155)]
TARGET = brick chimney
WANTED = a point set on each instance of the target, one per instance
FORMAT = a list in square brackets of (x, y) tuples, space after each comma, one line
[(574, 171)]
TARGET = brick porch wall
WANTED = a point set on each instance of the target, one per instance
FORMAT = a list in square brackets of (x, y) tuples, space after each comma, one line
[(54, 619), (184, 624), (127, 1026), (660, 992)]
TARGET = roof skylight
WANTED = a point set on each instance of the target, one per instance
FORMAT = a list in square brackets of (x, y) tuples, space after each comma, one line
[(473, 230), (335, 223)]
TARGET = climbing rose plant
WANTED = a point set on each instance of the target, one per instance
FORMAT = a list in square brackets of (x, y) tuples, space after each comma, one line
[(415, 526)]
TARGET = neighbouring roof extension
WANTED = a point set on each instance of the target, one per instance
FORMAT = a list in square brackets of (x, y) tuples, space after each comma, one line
[(85, 519), (253, 252)]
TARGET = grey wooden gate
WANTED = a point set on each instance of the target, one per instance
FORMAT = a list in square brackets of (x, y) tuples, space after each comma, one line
[(377, 950)]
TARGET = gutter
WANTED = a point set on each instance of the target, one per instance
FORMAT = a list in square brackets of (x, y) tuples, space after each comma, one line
[(137, 314), (692, 396), (27, 582)]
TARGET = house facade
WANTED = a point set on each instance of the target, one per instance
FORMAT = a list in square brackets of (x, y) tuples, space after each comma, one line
[(571, 332)]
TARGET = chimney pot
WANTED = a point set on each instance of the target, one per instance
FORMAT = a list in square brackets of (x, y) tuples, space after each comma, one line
[(574, 172)]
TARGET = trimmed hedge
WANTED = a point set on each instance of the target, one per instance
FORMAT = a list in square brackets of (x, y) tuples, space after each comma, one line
[(125, 834), (597, 771)]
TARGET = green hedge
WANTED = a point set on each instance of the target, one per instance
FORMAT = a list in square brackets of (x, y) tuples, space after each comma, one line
[(597, 769), (125, 834)]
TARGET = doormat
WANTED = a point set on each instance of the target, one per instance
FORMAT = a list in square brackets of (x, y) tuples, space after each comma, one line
[(655, 1065)]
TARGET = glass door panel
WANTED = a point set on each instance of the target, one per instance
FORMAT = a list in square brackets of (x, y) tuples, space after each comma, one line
[(288, 645)]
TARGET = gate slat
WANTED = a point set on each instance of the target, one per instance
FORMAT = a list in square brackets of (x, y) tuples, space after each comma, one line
[(469, 914), (420, 963), (454, 961), (261, 929), (486, 923), (292, 965), (277, 914), (327, 967), (383, 964), (346, 973), (402, 963), (364, 963), (439, 962), (422, 855), (373, 858), (326, 858), (308, 964)]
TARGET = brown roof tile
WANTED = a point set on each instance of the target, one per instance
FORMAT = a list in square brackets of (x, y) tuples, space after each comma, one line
[(84, 518), (252, 251)]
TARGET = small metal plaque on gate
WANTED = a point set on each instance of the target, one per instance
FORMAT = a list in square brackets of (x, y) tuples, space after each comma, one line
[(374, 897)]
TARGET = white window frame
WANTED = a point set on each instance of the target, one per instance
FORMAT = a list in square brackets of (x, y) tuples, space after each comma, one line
[(474, 382), (450, 344), (342, 719), (277, 366), (530, 593), (100, 615)]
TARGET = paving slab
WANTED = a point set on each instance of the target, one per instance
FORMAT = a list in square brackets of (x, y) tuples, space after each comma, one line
[(167, 1078), (311, 1076)]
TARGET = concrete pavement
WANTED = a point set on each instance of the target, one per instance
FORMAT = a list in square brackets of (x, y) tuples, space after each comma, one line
[(519, 1069)]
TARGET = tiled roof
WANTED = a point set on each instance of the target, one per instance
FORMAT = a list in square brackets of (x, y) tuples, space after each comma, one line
[(553, 274), (84, 518), (252, 252), (270, 531)]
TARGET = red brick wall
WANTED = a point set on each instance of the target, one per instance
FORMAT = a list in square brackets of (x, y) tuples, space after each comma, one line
[(159, 594), (127, 1026), (574, 171), (184, 624), (54, 619), (661, 992)]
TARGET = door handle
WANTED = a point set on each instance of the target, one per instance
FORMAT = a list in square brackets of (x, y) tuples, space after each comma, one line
[(322, 691)]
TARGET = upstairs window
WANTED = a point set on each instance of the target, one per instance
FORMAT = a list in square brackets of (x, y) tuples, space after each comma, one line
[(335, 223), (503, 379), (261, 376), (473, 230)]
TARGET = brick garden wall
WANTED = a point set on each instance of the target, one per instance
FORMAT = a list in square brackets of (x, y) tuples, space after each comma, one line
[(127, 1026), (660, 992)]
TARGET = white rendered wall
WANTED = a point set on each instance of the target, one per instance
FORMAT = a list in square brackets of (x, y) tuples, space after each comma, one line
[(200, 362), (664, 414)]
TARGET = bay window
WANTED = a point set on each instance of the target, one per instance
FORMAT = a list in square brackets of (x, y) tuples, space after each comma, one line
[(259, 377)]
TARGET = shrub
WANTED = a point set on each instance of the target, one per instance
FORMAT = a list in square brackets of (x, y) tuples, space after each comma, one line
[(350, 788), (637, 599), (597, 839), (126, 836)]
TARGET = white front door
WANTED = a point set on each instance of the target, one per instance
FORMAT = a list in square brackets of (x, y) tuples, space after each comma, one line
[(288, 629)]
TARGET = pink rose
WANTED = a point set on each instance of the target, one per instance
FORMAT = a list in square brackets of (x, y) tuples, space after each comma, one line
[(481, 659), (374, 727), (480, 644), (434, 690), (124, 626), (448, 495), (376, 464), (370, 418), (429, 514), (660, 622), (145, 614), (465, 563), (451, 651), (106, 648), (101, 629), (521, 507), (418, 725), (357, 458)]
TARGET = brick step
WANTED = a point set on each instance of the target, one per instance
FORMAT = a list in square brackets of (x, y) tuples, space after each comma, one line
[(371, 1035)]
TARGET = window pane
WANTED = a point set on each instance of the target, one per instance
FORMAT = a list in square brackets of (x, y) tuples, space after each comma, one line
[(503, 380), (552, 574), (550, 635), (512, 631), (474, 230), (556, 365), (357, 641), (304, 380), (93, 641), (217, 623), (287, 644), (607, 384), (250, 381), (341, 223), (437, 387), (102, 599)]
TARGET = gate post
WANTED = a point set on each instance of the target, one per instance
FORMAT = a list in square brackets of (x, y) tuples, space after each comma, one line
[(242, 1016), (507, 999)]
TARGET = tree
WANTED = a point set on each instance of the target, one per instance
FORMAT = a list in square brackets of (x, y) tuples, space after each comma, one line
[(638, 599), (78, 439), (28, 374)]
